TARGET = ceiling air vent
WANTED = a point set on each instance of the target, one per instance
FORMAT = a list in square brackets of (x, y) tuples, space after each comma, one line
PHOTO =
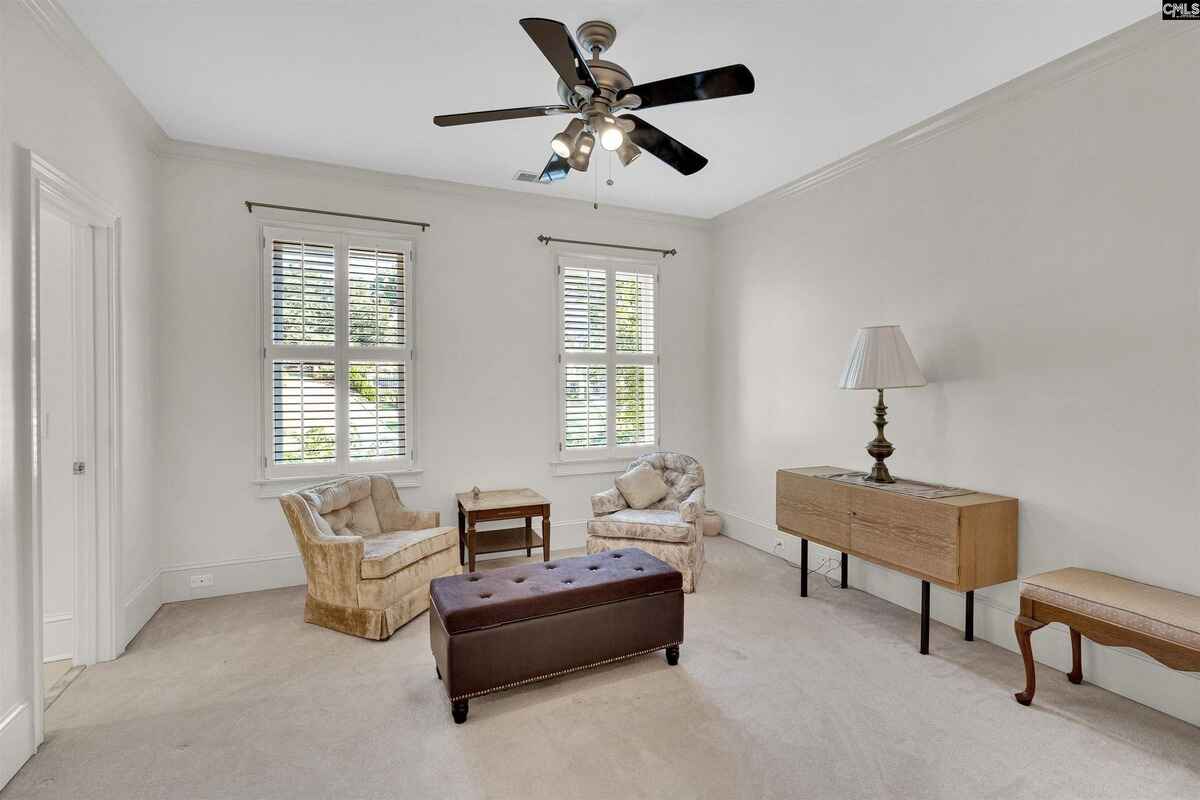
[(525, 176)]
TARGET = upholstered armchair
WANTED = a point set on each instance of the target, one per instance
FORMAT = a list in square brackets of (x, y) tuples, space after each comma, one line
[(369, 560), (670, 529)]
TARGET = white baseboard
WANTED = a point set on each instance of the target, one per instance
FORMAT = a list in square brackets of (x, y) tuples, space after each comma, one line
[(233, 577), (58, 637), (277, 570), (16, 741), (1125, 672), (140, 606)]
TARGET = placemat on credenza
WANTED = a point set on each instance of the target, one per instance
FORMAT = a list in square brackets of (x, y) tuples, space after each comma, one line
[(928, 491)]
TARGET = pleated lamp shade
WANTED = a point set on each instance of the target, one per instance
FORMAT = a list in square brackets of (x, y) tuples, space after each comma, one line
[(881, 359)]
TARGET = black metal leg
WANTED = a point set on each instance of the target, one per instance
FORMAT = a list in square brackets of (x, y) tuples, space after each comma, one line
[(804, 567), (924, 618), (845, 563), (969, 627)]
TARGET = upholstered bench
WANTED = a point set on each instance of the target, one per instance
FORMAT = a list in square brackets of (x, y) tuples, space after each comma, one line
[(1163, 624), (506, 627)]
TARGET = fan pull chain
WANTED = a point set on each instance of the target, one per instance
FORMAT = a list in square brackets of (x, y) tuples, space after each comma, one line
[(596, 190)]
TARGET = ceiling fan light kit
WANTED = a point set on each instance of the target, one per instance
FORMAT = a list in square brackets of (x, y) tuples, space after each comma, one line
[(582, 155), (595, 91), (628, 152), (611, 137), (564, 143)]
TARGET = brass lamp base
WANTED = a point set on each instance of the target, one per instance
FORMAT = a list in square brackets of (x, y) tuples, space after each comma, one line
[(880, 448)]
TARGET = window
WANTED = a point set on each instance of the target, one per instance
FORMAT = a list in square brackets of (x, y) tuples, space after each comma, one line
[(608, 357), (337, 352)]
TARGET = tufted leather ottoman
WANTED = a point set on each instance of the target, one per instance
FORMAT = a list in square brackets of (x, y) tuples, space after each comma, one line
[(506, 627)]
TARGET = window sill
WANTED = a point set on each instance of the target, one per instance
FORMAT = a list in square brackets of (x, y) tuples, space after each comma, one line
[(274, 487), (590, 466)]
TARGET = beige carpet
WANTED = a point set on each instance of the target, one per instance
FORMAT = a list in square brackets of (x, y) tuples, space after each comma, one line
[(774, 696)]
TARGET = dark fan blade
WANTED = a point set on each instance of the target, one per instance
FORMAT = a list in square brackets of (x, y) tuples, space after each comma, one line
[(707, 85), (559, 48), (556, 169), (672, 151), (445, 120)]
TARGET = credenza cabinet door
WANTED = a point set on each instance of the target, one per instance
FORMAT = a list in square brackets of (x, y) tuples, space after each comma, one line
[(912, 534), (814, 508)]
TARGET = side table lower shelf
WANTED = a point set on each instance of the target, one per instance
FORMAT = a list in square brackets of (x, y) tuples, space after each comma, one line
[(506, 539)]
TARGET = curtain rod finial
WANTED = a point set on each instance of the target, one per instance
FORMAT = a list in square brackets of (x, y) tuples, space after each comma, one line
[(249, 207)]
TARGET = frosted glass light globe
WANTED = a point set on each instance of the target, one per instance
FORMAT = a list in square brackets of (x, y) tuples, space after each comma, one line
[(612, 138)]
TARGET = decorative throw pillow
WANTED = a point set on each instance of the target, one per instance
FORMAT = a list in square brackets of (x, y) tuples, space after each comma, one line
[(641, 486)]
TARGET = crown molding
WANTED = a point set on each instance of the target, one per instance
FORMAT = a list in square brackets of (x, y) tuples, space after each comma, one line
[(321, 170), (1143, 35), (59, 28)]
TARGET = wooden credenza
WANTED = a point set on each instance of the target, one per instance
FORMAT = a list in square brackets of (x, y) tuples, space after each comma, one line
[(963, 542)]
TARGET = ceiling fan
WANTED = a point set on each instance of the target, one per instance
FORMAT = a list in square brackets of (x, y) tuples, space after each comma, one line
[(595, 91)]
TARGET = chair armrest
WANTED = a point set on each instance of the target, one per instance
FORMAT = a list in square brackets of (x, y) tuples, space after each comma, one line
[(693, 508), (407, 519), (607, 502), (333, 565)]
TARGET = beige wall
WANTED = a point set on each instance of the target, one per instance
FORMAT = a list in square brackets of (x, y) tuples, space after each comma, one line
[(59, 100), (1041, 255), (485, 340)]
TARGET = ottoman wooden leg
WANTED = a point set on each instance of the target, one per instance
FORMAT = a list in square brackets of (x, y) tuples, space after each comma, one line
[(673, 654), (1024, 626), (458, 709)]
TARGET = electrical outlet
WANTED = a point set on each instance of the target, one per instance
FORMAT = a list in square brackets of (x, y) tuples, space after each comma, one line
[(780, 548), (199, 581)]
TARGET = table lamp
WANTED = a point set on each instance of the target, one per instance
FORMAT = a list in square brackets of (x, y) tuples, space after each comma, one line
[(881, 359)]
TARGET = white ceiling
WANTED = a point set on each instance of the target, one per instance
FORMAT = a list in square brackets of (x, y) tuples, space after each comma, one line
[(357, 82)]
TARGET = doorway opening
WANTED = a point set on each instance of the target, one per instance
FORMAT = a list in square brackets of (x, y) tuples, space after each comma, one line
[(66, 433), (74, 248)]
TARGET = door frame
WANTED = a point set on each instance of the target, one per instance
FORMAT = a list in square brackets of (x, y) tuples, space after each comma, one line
[(98, 629)]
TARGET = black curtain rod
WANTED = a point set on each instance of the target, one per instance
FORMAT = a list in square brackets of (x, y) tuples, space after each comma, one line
[(546, 240), (250, 210)]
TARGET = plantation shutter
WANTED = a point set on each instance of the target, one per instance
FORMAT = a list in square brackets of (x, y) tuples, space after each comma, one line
[(608, 356), (584, 346), (338, 352), (302, 289), (376, 298), (304, 404), (634, 324), (378, 325)]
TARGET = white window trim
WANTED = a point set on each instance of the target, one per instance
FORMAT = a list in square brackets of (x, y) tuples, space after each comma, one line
[(277, 487), (276, 479), (612, 458)]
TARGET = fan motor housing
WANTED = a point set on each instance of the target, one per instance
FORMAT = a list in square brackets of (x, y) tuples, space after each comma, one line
[(611, 77)]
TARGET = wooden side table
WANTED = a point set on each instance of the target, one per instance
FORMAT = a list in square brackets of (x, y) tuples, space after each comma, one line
[(499, 505)]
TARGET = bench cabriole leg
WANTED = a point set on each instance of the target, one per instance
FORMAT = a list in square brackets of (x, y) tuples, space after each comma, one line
[(1076, 673), (1023, 627)]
